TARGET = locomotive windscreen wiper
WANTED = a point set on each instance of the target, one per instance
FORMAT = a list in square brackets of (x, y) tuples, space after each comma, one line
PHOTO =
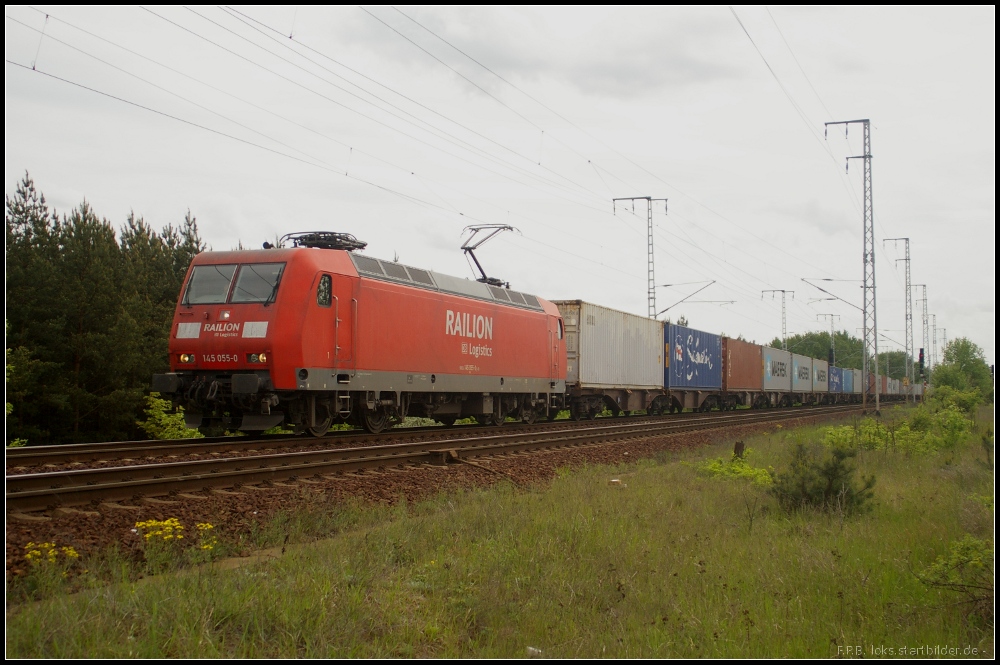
[(274, 291), (209, 284), (258, 283)]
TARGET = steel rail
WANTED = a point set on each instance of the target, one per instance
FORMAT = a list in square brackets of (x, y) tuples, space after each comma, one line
[(38, 491)]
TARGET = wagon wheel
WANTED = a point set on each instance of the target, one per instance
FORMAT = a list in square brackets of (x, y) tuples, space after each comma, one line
[(374, 420), (592, 412), (447, 421)]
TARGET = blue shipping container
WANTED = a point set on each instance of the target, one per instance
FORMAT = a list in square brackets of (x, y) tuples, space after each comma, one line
[(848, 382), (836, 380), (693, 358)]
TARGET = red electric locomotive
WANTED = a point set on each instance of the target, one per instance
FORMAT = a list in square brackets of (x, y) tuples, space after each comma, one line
[(316, 333)]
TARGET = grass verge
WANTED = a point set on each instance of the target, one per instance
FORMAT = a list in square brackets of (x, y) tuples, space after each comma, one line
[(669, 561)]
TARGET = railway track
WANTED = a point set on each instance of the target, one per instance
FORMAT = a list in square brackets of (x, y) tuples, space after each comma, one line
[(33, 491), (21, 460), (28, 459)]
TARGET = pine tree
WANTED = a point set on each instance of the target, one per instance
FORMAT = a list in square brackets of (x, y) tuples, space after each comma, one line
[(89, 317)]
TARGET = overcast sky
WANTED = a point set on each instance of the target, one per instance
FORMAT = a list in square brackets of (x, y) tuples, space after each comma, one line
[(403, 126)]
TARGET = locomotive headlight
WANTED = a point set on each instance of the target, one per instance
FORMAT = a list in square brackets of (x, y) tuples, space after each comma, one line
[(187, 358), (254, 358), (257, 358), (263, 357)]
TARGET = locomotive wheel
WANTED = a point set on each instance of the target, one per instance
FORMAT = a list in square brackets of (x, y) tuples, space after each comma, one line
[(447, 421), (322, 427), (498, 417), (528, 416), (375, 421)]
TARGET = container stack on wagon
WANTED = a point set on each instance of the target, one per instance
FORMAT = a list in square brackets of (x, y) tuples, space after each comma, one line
[(613, 360), (820, 379), (777, 376), (847, 382), (801, 375), (742, 375), (624, 362), (836, 383), (693, 368)]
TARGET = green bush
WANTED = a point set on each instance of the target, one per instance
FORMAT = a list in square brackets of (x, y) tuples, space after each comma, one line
[(967, 570), (160, 423), (926, 431), (739, 467), (825, 483), (943, 397)]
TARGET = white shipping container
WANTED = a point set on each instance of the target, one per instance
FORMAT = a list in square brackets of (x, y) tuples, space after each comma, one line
[(802, 373), (820, 376), (606, 348), (777, 369)]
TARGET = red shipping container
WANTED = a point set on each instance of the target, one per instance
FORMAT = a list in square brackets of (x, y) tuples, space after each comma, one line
[(742, 367)]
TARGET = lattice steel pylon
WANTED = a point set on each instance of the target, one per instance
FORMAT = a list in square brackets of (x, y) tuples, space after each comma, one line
[(909, 316), (934, 338), (926, 326), (651, 293), (870, 354), (784, 326)]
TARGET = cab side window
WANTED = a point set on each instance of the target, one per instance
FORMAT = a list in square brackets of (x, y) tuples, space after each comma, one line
[(324, 291)]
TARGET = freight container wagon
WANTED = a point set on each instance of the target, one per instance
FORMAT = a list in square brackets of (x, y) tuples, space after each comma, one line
[(741, 375), (820, 377), (801, 374), (614, 360), (858, 382), (693, 367), (847, 381)]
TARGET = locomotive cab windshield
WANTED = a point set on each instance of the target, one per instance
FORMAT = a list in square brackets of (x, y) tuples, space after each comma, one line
[(213, 284)]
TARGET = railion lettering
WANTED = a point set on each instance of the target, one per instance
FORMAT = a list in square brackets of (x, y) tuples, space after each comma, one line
[(222, 327), (464, 324)]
